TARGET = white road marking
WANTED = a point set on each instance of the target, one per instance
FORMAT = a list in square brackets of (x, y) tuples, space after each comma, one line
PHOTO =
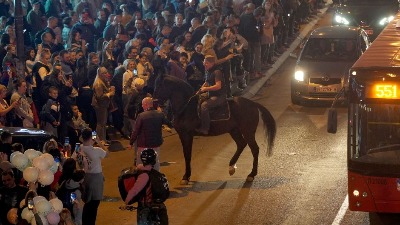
[(342, 211)]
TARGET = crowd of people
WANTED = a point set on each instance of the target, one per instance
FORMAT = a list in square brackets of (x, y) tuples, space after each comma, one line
[(83, 58), (90, 64), (76, 180)]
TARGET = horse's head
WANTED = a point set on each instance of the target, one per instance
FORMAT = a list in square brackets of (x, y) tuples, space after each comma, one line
[(162, 91), (172, 88)]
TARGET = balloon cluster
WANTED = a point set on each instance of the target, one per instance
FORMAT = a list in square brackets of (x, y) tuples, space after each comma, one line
[(35, 166), (49, 211), (38, 167)]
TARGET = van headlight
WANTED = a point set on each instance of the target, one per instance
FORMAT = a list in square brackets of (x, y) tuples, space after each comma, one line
[(299, 75), (385, 20), (340, 19)]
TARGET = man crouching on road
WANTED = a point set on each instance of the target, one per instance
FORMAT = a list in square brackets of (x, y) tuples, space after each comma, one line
[(148, 130)]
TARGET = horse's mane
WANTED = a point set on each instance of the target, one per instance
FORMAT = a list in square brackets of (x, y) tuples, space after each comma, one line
[(179, 84), (185, 89)]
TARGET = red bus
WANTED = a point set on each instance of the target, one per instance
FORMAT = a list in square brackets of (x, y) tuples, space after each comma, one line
[(373, 141)]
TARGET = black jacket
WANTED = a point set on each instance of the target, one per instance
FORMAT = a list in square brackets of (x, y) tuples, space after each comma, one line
[(148, 129), (248, 28)]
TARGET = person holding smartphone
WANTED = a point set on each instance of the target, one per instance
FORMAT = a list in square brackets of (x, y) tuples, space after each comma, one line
[(93, 182), (75, 195)]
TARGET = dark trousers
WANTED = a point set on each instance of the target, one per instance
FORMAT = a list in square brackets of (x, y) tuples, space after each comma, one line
[(84, 102), (146, 214), (90, 212), (208, 104)]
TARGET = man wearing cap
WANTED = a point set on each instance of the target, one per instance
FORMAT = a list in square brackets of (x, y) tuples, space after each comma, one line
[(34, 19)]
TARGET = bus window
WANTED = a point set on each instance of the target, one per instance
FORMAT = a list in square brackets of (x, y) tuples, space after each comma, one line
[(379, 139)]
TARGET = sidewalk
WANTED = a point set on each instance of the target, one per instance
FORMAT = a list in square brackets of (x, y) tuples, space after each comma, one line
[(256, 85)]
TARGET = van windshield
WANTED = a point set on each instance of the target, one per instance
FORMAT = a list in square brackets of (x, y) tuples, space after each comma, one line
[(329, 49)]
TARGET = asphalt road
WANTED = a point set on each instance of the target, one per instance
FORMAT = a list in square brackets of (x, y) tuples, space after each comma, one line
[(304, 182)]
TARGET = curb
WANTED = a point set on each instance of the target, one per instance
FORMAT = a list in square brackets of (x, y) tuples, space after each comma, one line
[(253, 90)]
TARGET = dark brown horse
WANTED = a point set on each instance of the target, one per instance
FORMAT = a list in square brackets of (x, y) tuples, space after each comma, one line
[(242, 124)]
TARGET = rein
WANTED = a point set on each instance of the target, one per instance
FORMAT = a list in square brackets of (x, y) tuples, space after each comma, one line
[(187, 103)]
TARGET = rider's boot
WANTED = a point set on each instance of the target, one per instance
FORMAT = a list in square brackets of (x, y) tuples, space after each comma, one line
[(205, 121)]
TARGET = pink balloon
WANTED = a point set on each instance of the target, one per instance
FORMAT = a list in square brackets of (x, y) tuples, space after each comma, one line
[(53, 218)]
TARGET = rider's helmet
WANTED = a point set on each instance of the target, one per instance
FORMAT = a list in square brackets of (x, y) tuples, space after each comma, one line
[(148, 156)]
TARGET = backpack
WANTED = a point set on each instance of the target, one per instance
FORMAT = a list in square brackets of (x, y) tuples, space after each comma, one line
[(159, 186), (126, 181), (64, 194)]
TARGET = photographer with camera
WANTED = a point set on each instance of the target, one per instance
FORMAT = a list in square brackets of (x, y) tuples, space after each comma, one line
[(148, 130)]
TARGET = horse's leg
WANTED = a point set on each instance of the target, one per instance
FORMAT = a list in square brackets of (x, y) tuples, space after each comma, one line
[(241, 144), (251, 140), (187, 141)]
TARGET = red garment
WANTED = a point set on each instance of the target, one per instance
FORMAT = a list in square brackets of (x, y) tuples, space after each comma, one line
[(35, 114), (54, 186)]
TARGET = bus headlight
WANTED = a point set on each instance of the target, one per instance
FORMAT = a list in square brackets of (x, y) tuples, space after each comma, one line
[(299, 75), (356, 193)]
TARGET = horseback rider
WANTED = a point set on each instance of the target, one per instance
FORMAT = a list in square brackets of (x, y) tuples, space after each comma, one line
[(214, 85)]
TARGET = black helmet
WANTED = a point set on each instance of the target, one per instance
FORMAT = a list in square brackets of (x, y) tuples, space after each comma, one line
[(148, 156)]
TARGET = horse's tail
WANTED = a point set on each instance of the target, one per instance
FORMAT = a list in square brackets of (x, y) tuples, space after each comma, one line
[(269, 127)]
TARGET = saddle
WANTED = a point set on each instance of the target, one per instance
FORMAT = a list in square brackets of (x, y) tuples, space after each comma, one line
[(222, 112)]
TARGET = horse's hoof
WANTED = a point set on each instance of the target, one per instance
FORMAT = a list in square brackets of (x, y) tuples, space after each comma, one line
[(232, 169), (249, 179), (184, 182)]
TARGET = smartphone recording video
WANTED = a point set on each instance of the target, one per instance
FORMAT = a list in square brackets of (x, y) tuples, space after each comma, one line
[(73, 196), (30, 204)]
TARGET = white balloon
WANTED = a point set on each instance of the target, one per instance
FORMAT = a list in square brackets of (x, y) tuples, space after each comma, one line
[(31, 174), (49, 158), (43, 207), (56, 205), (40, 163), (20, 161), (36, 199), (14, 154), (27, 214), (31, 154), (46, 177)]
